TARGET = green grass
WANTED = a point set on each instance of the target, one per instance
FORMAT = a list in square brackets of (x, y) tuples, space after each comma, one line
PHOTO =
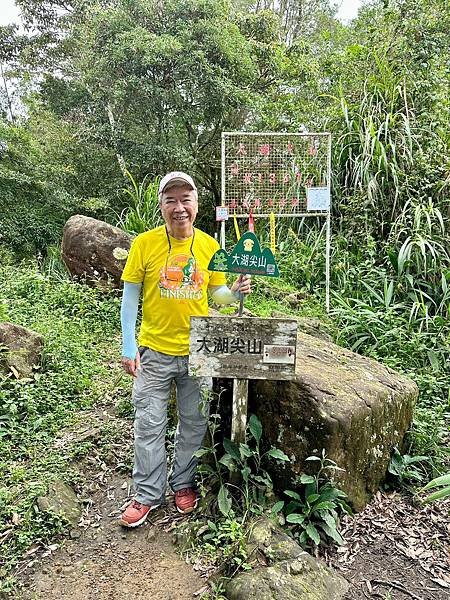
[(80, 326)]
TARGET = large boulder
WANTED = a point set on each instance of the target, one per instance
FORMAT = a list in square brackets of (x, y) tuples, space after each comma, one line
[(290, 574), (20, 349), (353, 407), (94, 249)]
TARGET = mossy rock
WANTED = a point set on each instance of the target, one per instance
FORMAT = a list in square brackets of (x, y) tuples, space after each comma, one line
[(302, 578), (61, 500), (268, 539), (352, 407), (20, 349)]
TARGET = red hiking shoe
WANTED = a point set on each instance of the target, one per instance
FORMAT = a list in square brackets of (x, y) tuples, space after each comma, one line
[(186, 500), (136, 513)]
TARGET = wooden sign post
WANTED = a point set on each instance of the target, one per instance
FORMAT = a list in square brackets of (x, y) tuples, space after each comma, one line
[(242, 348)]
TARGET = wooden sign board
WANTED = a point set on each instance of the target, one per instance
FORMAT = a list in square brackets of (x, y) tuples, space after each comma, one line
[(243, 347)]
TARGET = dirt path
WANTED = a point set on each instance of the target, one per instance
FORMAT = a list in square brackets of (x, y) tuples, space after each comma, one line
[(108, 562)]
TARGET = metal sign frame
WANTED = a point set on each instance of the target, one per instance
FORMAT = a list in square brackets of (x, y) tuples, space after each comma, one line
[(270, 162)]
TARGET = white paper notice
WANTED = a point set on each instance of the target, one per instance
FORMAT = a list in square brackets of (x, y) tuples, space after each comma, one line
[(221, 213), (317, 198)]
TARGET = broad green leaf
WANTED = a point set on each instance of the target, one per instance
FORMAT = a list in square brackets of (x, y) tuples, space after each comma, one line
[(206, 469), (202, 452), (255, 427), (410, 460), (312, 498), (224, 501), (439, 495), (313, 533), (245, 451), (332, 532), (212, 525), (442, 480), (295, 518), (245, 474), (278, 454), (433, 357), (293, 506), (292, 494), (264, 480), (331, 493), (307, 479), (324, 505), (329, 520), (232, 449), (277, 507), (228, 462)]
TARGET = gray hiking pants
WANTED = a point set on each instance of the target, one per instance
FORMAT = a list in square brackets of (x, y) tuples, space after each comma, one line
[(151, 392)]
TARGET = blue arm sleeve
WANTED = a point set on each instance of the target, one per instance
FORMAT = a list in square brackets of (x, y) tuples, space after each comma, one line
[(128, 317)]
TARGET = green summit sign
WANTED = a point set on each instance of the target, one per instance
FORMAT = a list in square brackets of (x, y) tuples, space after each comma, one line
[(246, 257)]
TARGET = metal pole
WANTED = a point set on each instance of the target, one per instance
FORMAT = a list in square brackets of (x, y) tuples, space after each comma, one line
[(328, 235), (277, 134), (222, 225), (327, 264)]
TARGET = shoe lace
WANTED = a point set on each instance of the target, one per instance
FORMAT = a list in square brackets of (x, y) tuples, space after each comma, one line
[(184, 492), (137, 505)]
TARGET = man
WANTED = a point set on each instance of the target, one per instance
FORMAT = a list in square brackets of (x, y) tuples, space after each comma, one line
[(171, 263)]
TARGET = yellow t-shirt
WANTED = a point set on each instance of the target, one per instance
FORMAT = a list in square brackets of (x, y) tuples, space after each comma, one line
[(175, 286)]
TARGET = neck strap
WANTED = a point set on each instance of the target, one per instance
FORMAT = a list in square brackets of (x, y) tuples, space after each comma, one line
[(170, 244)]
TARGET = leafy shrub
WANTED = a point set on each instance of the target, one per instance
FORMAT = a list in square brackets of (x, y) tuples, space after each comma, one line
[(251, 495), (407, 469), (313, 513)]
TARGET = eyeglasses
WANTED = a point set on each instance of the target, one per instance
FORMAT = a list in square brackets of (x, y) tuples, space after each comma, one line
[(191, 252)]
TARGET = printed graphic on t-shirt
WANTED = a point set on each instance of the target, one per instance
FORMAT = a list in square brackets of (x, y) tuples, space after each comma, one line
[(181, 278)]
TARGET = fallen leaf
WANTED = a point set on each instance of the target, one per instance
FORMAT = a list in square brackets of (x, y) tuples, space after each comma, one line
[(201, 591)]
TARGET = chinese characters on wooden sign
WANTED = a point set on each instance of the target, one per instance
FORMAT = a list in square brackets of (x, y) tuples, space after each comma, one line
[(243, 347)]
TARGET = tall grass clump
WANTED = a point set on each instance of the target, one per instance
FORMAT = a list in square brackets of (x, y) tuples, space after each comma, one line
[(142, 212)]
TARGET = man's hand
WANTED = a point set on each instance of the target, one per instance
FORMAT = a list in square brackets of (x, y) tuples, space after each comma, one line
[(131, 365), (243, 284)]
